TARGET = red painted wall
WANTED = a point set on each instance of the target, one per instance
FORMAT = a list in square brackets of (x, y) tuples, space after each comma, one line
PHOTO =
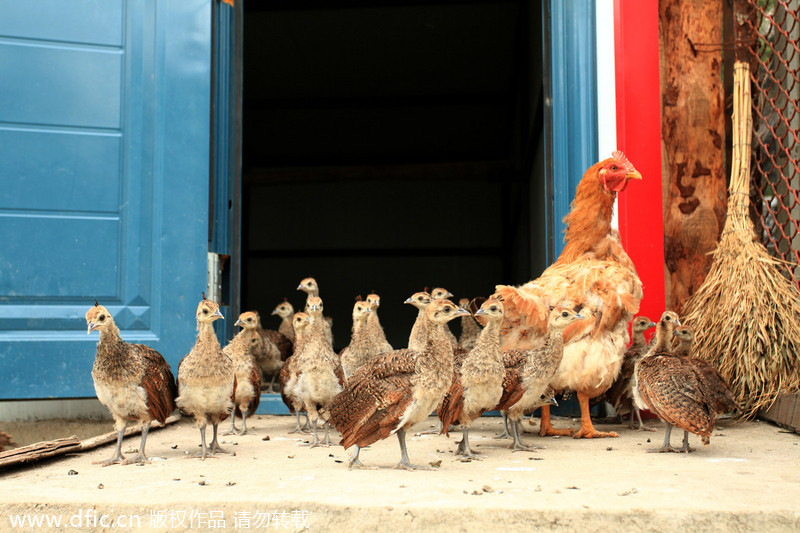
[(639, 136)]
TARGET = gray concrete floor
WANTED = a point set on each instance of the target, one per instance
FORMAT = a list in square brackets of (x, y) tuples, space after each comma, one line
[(747, 480)]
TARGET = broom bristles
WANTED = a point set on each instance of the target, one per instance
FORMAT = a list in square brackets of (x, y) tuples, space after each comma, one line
[(746, 313)]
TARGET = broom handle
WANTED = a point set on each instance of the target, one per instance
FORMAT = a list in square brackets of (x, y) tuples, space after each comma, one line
[(737, 217)]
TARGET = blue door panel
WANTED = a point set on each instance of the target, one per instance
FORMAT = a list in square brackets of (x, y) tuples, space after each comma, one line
[(69, 86), (104, 157), (73, 178), (62, 257), (75, 21)]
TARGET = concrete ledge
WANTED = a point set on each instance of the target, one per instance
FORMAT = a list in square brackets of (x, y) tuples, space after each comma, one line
[(747, 480), (25, 410)]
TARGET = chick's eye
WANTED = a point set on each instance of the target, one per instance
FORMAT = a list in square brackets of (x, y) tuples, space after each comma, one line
[(493, 308), (101, 317), (564, 314), (205, 311)]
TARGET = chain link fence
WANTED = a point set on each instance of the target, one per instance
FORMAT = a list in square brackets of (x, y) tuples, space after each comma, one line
[(773, 35)]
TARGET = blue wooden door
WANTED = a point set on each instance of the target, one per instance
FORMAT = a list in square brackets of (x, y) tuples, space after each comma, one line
[(104, 165)]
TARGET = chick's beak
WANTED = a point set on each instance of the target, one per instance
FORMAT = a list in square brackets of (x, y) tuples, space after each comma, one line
[(238, 323), (480, 311), (91, 327), (409, 301), (552, 401), (300, 287), (274, 312), (652, 325), (462, 312), (218, 314), (578, 316)]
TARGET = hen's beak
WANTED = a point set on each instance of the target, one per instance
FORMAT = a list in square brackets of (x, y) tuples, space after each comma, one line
[(635, 175), (91, 327)]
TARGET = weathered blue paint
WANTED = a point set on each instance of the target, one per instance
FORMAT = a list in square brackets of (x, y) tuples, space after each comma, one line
[(104, 136), (573, 106)]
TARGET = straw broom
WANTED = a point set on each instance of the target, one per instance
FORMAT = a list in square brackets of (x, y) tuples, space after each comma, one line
[(746, 314)]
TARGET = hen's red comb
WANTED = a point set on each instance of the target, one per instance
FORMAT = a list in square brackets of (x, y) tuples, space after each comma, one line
[(618, 155)]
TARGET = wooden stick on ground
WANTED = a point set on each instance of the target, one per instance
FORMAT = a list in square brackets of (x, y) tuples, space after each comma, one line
[(42, 450)]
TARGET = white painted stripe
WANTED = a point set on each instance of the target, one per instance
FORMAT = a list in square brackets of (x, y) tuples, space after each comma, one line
[(606, 86)]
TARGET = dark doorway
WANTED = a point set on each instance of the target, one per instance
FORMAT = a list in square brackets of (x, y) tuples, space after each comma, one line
[(387, 147)]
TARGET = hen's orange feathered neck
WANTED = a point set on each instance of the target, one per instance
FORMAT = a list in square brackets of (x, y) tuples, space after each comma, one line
[(589, 219)]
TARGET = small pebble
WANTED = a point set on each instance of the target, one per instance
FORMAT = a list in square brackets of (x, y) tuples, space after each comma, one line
[(230, 483), (573, 487), (266, 437), (72, 473), (174, 446), (291, 456), (487, 488), (609, 449), (436, 464), (477, 493), (202, 483), (101, 486)]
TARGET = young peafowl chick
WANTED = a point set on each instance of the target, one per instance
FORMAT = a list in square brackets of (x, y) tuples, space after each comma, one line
[(479, 383), (528, 372), (285, 312), (364, 345), (374, 323), (419, 335), (620, 395), (674, 389), (206, 379), (242, 350), (395, 390), (320, 374), (132, 380), (290, 373), (310, 287)]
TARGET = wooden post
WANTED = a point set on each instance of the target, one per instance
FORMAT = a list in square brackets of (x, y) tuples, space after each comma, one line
[(693, 133)]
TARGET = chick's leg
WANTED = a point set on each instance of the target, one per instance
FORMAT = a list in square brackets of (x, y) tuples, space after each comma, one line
[(214, 447), (505, 434), (140, 457), (404, 464), (546, 429), (463, 446), (641, 427), (587, 430), (232, 431), (117, 457)]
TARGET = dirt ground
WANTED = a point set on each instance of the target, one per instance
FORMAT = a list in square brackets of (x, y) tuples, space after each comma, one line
[(747, 480)]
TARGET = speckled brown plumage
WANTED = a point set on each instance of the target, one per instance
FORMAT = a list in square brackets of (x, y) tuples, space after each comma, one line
[(206, 379), (470, 329), (620, 395), (247, 395), (289, 373), (132, 380), (364, 343), (716, 388), (672, 388), (374, 323), (528, 372), (311, 288), (285, 312), (442, 294), (419, 335), (478, 384), (398, 389), (320, 375)]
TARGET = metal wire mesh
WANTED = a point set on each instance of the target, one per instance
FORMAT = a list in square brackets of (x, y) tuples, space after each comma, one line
[(775, 72)]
